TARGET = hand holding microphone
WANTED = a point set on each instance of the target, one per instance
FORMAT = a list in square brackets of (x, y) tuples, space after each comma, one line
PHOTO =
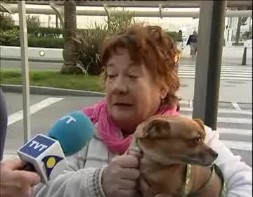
[(15, 182), (46, 154)]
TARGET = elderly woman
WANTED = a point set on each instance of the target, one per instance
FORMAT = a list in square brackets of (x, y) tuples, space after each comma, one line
[(140, 74)]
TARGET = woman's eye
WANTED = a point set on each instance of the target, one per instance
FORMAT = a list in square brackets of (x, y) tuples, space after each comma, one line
[(133, 76), (110, 76)]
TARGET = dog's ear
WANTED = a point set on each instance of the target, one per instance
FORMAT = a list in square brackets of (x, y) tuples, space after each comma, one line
[(157, 129), (200, 123)]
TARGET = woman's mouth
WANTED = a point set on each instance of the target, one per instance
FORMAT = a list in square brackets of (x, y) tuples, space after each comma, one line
[(123, 105)]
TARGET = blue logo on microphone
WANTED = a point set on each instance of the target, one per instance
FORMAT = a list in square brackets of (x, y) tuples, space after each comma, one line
[(37, 146)]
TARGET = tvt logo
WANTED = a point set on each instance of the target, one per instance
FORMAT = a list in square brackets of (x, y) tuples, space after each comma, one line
[(36, 145), (68, 119)]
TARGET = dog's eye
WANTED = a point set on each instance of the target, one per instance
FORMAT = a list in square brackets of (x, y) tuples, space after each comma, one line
[(197, 140)]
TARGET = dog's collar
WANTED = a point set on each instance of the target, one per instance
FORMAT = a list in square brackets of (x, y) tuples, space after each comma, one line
[(187, 187), (188, 181)]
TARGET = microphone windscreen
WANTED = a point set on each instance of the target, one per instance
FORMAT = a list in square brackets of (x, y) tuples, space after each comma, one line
[(73, 131)]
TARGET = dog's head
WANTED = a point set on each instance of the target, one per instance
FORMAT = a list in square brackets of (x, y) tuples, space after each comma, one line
[(173, 140)]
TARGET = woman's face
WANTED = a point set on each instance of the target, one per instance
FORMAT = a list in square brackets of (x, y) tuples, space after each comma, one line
[(131, 93)]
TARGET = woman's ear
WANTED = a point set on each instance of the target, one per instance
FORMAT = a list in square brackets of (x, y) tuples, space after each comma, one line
[(164, 91)]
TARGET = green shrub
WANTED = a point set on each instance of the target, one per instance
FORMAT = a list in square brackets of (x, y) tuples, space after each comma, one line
[(89, 41), (45, 42), (9, 37), (39, 31), (176, 36), (6, 21), (45, 32), (33, 21), (119, 20), (88, 48)]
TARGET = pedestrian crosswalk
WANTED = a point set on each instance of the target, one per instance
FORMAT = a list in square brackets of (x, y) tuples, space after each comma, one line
[(234, 127), (243, 73)]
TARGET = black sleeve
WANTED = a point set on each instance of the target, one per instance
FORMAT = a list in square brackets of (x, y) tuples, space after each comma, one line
[(3, 123), (189, 40)]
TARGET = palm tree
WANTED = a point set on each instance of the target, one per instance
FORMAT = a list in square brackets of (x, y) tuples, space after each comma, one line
[(69, 50), (241, 21)]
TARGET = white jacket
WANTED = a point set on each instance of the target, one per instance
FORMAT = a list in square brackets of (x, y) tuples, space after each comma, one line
[(83, 179)]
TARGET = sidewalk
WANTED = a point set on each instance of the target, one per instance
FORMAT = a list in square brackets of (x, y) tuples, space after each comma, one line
[(231, 55)]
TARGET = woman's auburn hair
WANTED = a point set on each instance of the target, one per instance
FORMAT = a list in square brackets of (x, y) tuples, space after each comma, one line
[(151, 46)]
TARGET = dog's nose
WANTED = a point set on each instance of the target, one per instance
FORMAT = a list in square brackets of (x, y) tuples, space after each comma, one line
[(215, 154)]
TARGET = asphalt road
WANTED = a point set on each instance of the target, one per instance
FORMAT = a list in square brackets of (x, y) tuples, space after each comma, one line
[(235, 126)]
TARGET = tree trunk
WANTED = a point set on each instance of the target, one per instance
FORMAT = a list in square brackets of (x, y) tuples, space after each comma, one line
[(69, 50), (238, 31)]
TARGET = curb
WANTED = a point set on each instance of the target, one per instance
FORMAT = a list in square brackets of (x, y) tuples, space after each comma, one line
[(50, 91)]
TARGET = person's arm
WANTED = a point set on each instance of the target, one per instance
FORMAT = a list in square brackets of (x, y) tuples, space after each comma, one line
[(14, 181), (189, 40), (77, 181), (237, 174)]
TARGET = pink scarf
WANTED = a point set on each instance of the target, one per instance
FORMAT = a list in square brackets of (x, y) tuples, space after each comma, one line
[(109, 131)]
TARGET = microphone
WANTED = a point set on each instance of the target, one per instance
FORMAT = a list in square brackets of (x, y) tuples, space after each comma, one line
[(46, 154)]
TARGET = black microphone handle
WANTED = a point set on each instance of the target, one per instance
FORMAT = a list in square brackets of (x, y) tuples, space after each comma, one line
[(28, 167)]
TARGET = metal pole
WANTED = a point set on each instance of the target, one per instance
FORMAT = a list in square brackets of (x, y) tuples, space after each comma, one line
[(244, 57), (25, 70), (208, 64)]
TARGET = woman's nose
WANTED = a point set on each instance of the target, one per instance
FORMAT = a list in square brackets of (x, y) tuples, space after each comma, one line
[(120, 85)]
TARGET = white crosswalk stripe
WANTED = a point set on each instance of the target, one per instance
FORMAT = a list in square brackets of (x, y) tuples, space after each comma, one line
[(227, 72), (237, 137)]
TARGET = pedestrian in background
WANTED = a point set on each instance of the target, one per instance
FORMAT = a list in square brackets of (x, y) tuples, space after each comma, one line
[(193, 41)]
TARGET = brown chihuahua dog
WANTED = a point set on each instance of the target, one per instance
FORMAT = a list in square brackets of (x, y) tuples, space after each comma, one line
[(176, 161)]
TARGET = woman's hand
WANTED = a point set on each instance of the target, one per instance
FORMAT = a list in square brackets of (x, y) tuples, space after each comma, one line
[(15, 182), (120, 176)]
